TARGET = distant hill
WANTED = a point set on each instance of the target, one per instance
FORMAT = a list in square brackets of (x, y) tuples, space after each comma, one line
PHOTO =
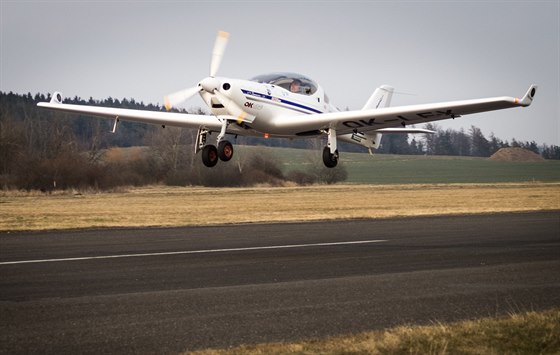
[(516, 154)]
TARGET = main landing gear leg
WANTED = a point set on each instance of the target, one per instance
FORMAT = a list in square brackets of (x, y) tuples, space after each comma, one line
[(330, 152), (225, 148), (200, 140)]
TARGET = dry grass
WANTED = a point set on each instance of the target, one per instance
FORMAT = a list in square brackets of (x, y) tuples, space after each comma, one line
[(180, 206), (527, 333)]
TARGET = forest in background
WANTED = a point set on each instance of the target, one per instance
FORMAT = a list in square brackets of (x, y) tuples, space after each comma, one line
[(44, 149)]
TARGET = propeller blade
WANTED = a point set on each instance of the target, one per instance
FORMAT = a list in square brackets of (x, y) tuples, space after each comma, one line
[(233, 108), (179, 96), (218, 52)]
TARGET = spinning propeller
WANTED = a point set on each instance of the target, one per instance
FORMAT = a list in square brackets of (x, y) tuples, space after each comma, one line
[(209, 84)]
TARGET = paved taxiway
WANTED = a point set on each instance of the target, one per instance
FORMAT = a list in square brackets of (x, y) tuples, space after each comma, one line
[(172, 289)]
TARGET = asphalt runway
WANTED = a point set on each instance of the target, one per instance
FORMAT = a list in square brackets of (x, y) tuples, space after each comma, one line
[(174, 289)]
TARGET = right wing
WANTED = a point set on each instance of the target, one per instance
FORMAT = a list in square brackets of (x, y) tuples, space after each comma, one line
[(390, 117), (153, 117)]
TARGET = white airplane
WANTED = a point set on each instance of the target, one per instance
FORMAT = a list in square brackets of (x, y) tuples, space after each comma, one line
[(287, 105)]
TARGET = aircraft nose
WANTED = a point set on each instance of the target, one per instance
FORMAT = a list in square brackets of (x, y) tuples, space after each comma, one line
[(210, 84)]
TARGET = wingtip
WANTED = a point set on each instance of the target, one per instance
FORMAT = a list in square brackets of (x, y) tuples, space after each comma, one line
[(56, 98), (529, 96)]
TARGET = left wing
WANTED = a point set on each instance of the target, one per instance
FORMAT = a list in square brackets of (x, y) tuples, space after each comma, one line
[(376, 119), (153, 117)]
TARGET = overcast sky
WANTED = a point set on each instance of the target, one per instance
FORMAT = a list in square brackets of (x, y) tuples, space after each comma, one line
[(436, 50)]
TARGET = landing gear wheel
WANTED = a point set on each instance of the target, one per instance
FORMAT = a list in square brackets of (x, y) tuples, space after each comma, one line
[(329, 159), (210, 155), (225, 151)]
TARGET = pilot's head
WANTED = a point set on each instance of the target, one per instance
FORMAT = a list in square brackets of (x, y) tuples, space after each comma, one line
[(295, 86)]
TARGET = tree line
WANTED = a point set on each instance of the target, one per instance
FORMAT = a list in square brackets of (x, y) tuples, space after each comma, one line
[(43, 149), (471, 143)]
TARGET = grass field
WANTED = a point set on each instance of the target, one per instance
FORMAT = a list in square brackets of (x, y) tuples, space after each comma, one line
[(378, 187), (184, 206), (404, 169), (525, 333)]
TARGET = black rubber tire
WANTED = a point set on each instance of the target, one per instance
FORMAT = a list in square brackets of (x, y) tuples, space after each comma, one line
[(330, 160), (209, 156), (225, 151)]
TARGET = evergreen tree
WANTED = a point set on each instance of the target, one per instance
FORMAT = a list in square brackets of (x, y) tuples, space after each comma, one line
[(395, 144), (431, 139), (444, 143), (462, 142), (480, 147)]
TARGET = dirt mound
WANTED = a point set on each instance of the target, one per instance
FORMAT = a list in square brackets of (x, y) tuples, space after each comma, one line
[(515, 154)]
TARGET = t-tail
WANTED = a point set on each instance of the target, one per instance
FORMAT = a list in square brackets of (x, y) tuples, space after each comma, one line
[(380, 98)]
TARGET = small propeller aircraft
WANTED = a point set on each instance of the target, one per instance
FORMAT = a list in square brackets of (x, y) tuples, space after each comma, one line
[(287, 105)]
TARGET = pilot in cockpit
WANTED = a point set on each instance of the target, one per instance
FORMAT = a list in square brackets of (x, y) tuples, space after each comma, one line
[(295, 86)]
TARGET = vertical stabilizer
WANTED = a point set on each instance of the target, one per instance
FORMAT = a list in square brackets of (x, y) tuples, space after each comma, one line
[(380, 98)]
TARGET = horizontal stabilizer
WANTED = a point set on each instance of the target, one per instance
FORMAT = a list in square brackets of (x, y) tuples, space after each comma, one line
[(405, 130), (371, 140), (368, 140)]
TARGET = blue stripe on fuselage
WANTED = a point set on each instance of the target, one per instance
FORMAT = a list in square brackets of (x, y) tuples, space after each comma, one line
[(277, 99)]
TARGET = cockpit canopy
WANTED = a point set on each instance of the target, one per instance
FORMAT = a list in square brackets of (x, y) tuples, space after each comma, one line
[(293, 82)]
